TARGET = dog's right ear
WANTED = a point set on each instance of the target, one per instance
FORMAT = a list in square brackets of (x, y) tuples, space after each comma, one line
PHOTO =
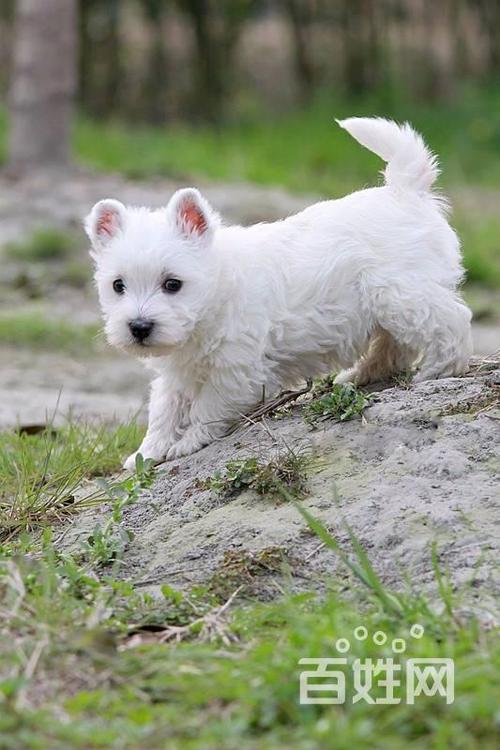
[(104, 222)]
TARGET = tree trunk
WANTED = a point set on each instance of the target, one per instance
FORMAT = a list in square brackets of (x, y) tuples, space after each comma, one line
[(300, 16), (43, 84), (155, 84), (100, 63), (489, 15), (209, 94), (361, 47)]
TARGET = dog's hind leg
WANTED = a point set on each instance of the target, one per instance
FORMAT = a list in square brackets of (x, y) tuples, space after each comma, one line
[(384, 358), (448, 352), (435, 325)]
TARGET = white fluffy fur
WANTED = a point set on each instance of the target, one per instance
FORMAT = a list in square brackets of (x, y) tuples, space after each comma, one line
[(367, 282)]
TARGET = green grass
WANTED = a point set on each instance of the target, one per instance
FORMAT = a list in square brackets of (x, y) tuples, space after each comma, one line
[(75, 274), (90, 662), (34, 330), (480, 238), (42, 475), (305, 150), (44, 244)]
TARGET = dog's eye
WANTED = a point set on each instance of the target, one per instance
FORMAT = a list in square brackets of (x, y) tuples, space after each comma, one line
[(172, 285), (119, 286)]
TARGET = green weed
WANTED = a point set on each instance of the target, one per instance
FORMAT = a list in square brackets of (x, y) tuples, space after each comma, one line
[(340, 402), (109, 539), (244, 571), (266, 479)]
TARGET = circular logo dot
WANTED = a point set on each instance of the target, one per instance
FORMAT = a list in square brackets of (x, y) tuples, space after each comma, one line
[(361, 633), (342, 645), (398, 645), (417, 631), (379, 638)]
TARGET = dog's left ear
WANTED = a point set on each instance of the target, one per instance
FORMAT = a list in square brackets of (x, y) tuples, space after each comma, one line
[(192, 215)]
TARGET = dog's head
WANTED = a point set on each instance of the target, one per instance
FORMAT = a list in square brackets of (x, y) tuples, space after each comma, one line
[(155, 270)]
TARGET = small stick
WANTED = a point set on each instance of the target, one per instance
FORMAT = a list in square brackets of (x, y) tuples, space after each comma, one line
[(316, 549), (283, 398)]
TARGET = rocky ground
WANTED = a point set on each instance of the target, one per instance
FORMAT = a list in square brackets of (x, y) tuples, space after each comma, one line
[(420, 468)]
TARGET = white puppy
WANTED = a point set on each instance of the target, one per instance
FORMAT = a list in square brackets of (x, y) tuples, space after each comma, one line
[(367, 282)]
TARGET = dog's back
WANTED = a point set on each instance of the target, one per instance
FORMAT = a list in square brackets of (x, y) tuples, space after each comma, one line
[(402, 224)]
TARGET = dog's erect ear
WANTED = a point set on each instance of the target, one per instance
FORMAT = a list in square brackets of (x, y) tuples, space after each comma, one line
[(192, 215), (104, 222)]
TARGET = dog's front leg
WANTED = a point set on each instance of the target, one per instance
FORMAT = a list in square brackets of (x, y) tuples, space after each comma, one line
[(168, 412), (221, 402)]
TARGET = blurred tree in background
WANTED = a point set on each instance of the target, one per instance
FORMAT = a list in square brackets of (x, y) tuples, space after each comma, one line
[(160, 61), (43, 83), (100, 60), (216, 26), (300, 14), (155, 78)]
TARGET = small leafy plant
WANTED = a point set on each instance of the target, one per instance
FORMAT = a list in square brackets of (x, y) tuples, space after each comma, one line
[(108, 541), (339, 402), (238, 475), (243, 569), (289, 471)]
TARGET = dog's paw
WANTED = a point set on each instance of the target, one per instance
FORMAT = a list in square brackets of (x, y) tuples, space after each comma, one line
[(347, 376), (156, 456), (190, 443), (129, 464), (183, 448)]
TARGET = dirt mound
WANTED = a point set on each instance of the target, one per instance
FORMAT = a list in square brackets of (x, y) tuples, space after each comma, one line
[(421, 467)]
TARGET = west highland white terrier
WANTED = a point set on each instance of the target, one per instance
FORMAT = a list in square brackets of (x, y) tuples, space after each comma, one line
[(221, 313)]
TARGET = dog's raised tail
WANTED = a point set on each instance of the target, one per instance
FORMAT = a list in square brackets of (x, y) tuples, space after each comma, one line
[(410, 164)]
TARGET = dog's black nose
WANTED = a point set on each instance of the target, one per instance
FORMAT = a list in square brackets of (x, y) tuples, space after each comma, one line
[(140, 328)]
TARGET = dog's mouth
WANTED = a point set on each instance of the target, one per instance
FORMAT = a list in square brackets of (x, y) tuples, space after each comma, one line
[(149, 348)]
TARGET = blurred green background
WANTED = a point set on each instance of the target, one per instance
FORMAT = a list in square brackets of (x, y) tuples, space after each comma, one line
[(134, 98), (243, 90)]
